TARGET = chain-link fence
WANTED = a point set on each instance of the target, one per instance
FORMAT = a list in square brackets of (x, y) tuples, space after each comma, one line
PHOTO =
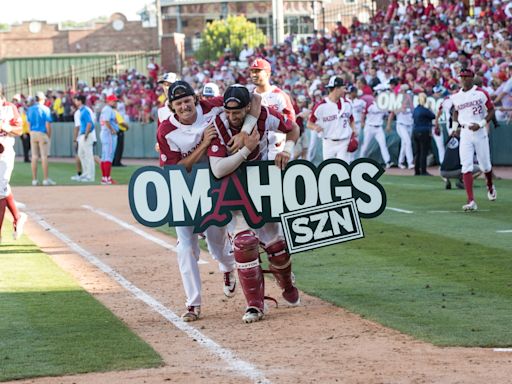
[(66, 74)]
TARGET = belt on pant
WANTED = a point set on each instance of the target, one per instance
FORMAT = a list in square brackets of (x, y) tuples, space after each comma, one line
[(326, 138), (374, 125)]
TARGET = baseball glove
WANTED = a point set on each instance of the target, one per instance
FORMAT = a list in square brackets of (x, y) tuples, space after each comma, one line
[(353, 144)]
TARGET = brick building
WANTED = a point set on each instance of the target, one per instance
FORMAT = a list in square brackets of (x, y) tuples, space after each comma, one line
[(38, 38)]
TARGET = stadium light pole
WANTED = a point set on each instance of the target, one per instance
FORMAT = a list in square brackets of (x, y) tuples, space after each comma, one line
[(278, 21), (159, 27)]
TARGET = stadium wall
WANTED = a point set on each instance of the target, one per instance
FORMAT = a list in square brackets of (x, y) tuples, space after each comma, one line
[(140, 143)]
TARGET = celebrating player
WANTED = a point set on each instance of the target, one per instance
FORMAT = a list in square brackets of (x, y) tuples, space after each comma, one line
[(10, 126), (404, 123), (333, 118), (273, 97), (473, 109), (246, 240), (183, 139)]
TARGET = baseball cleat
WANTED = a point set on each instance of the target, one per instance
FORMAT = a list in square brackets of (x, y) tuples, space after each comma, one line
[(252, 315), (229, 284), (471, 206), (48, 182), (291, 296), (447, 184), (491, 194), (75, 177), (19, 226), (192, 314), (401, 166), (35, 182)]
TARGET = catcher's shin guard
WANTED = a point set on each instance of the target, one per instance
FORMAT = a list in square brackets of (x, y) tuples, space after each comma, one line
[(281, 267), (250, 274)]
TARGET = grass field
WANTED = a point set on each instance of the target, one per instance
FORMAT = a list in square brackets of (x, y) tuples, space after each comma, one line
[(437, 273), (61, 173), (49, 326)]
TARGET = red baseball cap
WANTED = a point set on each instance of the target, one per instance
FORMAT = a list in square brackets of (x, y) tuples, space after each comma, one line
[(112, 98), (260, 63)]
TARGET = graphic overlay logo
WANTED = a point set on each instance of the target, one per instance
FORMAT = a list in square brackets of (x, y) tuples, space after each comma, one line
[(320, 226), (328, 199)]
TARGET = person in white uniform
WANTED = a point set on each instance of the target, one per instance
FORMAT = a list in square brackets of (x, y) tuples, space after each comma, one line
[(473, 109), (333, 118), (373, 121), (404, 123)]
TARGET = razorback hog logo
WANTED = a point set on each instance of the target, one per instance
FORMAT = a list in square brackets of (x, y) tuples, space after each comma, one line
[(260, 190)]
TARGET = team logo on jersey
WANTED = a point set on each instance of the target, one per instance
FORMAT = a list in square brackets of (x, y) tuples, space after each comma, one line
[(317, 206)]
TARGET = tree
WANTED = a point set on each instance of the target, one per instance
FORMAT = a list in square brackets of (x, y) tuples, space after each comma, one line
[(231, 33)]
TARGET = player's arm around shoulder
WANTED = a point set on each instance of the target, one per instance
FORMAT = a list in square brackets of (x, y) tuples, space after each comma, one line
[(223, 164)]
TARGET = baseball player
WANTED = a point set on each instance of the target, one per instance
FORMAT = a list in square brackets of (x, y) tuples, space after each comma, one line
[(10, 126), (274, 97), (183, 139), (246, 241), (86, 136), (358, 107), (373, 120), (333, 118), (404, 123), (473, 109), (108, 136)]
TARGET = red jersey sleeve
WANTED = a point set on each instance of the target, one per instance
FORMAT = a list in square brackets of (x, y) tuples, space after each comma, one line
[(217, 149), (217, 101), (488, 102), (167, 156), (312, 116), (284, 126)]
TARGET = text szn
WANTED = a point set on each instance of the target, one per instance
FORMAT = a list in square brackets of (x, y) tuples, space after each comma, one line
[(260, 190)]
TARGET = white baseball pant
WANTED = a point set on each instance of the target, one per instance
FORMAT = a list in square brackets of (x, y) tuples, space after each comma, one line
[(336, 149), (375, 131), (404, 131), (267, 234), (6, 167), (188, 256), (471, 142)]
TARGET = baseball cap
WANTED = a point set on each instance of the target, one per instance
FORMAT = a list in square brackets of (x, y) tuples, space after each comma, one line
[(466, 73), (40, 96), (169, 77), (112, 98), (260, 63), (351, 88), (237, 93), (180, 89), (335, 82), (211, 90)]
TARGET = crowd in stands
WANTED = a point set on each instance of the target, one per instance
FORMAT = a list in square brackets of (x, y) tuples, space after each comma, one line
[(413, 43)]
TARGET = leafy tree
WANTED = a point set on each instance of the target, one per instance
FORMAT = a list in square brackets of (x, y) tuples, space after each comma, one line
[(231, 33)]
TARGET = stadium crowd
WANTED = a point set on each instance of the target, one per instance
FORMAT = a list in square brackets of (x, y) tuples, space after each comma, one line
[(413, 43)]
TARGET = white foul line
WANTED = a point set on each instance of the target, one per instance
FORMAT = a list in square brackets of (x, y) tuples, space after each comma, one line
[(240, 366), (136, 230), (399, 210), (502, 349), (505, 231)]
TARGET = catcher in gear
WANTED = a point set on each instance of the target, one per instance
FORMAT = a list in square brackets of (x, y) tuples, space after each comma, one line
[(246, 241)]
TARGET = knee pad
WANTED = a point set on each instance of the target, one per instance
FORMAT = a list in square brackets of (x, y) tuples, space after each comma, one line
[(280, 263), (281, 267), (250, 274)]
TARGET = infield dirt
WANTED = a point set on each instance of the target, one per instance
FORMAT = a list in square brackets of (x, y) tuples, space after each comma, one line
[(314, 343)]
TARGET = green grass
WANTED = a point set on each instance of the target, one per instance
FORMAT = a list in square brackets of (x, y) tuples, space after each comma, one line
[(438, 274), (443, 277), (62, 172), (49, 326)]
